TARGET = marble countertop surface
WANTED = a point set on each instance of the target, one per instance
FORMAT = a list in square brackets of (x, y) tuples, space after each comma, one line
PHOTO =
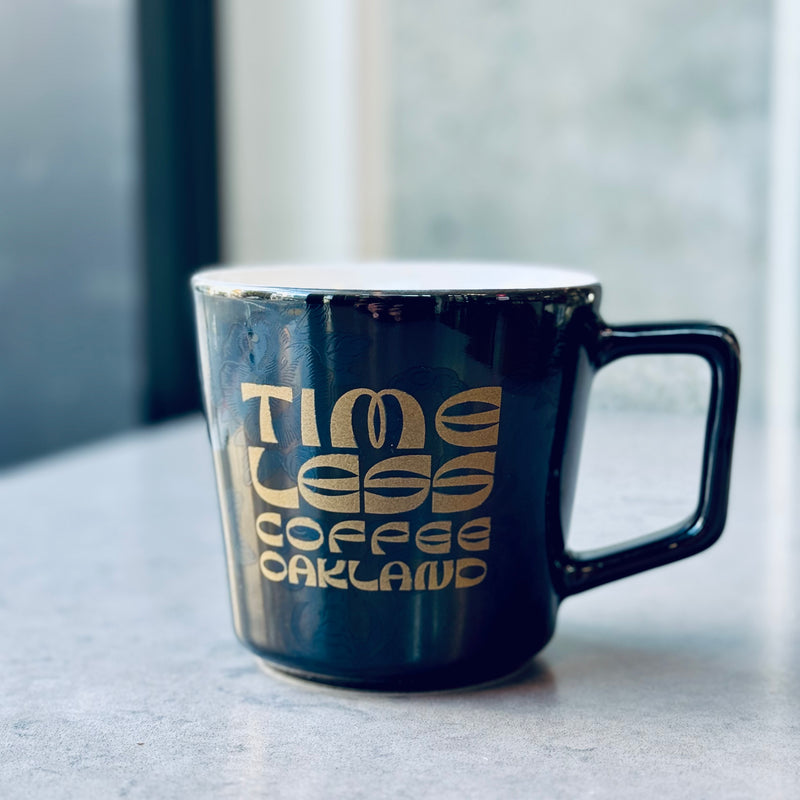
[(121, 676)]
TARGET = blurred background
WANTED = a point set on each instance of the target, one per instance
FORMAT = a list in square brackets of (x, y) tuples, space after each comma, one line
[(651, 142)]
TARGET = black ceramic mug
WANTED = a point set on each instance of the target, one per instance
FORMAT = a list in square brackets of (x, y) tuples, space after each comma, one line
[(396, 449)]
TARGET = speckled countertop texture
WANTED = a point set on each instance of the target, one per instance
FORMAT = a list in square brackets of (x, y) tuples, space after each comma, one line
[(121, 676)]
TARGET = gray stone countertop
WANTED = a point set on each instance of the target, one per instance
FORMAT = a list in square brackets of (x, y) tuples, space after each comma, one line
[(121, 675)]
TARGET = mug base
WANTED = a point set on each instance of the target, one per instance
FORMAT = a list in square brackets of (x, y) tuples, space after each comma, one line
[(432, 680)]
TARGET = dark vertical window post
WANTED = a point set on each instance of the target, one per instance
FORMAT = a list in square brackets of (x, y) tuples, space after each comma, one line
[(180, 215)]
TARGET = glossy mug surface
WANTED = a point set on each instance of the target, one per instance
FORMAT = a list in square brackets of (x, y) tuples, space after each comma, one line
[(396, 449)]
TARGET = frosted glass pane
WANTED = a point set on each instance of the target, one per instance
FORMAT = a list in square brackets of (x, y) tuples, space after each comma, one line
[(69, 297), (628, 139)]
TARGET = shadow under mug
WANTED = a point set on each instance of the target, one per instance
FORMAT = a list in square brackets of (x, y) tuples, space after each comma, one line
[(396, 449)]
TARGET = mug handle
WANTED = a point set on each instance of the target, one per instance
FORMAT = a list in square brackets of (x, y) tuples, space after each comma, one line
[(718, 346)]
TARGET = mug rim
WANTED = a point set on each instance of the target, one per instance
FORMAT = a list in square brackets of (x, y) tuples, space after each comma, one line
[(389, 277)]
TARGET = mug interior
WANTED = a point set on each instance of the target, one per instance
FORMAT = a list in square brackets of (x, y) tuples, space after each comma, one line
[(377, 277)]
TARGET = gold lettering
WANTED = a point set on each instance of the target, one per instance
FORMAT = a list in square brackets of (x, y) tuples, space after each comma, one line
[(365, 586), (308, 419), (430, 570), (271, 539), (327, 577), (334, 537), (479, 469), (337, 492), (474, 535), (463, 565), (476, 429), (303, 542), (412, 432), (435, 542), (264, 392), (301, 566), (394, 475), (381, 534), (387, 576), (282, 498), (270, 574)]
